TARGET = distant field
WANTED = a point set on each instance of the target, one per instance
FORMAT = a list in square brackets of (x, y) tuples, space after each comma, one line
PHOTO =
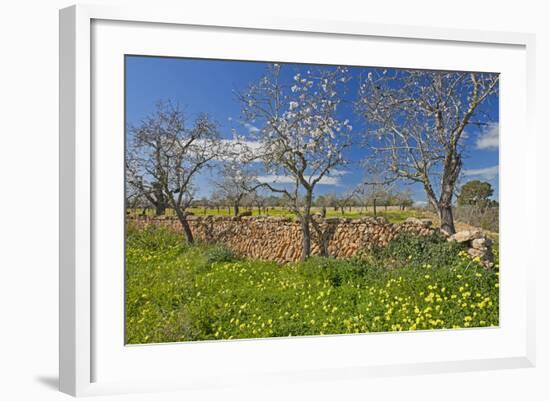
[(393, 214)]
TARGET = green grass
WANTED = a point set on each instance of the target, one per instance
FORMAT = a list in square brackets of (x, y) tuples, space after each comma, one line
[(393, 215), (204, 292)]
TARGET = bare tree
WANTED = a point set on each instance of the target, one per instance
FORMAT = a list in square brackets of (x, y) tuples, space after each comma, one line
[(373, 193), (302, 138), (403, 199), (217, 200), (151, 190), (165, 155), (135, 200), (237, 180), (347, 199), (259, 201), (416, 120)]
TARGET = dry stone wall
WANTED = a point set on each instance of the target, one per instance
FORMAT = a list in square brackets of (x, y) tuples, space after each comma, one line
[(280, 239)]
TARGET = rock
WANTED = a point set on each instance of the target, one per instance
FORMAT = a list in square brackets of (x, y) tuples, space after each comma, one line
[(481, 243), (426, 222), (289, 253), (413, 220), (476, 252), (465, 236)]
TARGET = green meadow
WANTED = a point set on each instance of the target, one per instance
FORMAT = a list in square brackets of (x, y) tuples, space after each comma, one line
[(176, 292)]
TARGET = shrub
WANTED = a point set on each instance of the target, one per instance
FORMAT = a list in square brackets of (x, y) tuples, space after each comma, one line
[(219, 254), (336, 271), (153, 238), (414, 250), (483, 217)]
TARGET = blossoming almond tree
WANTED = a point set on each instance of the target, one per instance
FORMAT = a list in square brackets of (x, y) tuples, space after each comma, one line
[(164, 155), (416, 125), (300, 135)]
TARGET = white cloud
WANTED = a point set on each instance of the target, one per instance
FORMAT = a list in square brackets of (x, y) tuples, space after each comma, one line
[(286, 179), (338, 173), (489, 137), (242, 145), (251, 128), (328, 180), (487, 173)]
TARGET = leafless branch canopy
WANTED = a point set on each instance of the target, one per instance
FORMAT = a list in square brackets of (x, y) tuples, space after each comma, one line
[(300, 135), (416, 121), (164, 156)]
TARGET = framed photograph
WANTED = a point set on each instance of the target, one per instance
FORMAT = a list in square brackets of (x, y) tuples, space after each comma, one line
[(266, 200)]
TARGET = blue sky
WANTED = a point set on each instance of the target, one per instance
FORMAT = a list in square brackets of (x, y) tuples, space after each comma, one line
[(208, 86)]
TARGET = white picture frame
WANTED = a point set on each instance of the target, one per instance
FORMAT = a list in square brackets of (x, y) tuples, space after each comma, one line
[(80, 348)]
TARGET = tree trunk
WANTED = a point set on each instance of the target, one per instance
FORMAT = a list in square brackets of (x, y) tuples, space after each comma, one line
[(160, 208), (306, 238), (185, 225), (342, 210), (451, 170), (235, 209), (447, 221), (322, 237), (374, 206), (187, 231), (306, 234)]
